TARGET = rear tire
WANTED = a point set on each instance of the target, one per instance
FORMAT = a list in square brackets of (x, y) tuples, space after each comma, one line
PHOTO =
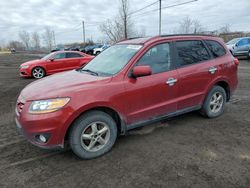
[(214, 103), (93, 134)]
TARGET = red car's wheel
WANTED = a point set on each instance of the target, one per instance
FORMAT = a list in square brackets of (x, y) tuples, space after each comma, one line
[(38, 72)]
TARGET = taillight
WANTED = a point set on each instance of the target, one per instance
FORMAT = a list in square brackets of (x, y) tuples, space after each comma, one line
[(236, 61)]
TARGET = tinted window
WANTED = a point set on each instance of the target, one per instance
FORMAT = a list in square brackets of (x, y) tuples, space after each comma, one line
[(216, 49), (158, 58), (190, 52), (59, 56), (73, 55)]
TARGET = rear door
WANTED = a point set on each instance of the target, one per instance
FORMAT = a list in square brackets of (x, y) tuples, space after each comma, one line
[(196, 69), (154, 95), (73, 60)]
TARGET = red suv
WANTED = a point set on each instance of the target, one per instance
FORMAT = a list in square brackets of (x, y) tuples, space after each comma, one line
[(131, 84)]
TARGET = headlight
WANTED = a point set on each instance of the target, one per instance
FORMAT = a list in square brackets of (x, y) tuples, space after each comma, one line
[(24, 66), (46, 106)]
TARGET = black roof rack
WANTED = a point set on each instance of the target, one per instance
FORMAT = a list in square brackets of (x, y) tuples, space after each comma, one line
[(173, 35)]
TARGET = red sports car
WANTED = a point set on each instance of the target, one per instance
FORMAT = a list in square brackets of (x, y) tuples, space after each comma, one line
[(53, 63)]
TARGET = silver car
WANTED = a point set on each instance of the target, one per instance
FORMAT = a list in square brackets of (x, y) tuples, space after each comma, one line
[(239, 46)]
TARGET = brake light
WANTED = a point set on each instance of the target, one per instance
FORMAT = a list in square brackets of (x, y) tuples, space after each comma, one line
[(236, 61)]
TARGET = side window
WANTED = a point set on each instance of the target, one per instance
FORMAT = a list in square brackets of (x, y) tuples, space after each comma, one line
[(158, 58), (216, 48), (59, 56), (243, 42), (191, 52), (72, 55)]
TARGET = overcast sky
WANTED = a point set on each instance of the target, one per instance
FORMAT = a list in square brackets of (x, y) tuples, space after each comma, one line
[(65, 16)]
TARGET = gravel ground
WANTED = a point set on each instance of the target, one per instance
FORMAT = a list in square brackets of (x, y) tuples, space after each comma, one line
[(185, 151)]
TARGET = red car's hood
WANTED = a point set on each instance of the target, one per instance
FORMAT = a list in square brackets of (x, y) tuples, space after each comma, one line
[(32, 62), (61, 85)]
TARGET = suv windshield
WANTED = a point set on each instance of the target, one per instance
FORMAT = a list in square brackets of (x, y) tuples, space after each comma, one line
[(112, 60)]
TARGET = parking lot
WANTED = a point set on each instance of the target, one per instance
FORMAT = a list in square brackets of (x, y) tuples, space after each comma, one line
[(185, 151)]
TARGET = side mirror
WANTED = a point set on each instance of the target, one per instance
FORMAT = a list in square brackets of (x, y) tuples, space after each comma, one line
[(140, 71), (51, 59), (236, 44)]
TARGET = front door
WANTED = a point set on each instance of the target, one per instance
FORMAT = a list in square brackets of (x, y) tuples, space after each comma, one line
[(152, 96), (57, 63)]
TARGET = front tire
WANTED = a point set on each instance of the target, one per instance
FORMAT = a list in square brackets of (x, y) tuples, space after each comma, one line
[(92, 135), (214, 104), (38, 72)]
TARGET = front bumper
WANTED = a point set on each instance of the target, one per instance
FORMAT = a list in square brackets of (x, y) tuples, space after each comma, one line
[(31, 137), (24, 72)]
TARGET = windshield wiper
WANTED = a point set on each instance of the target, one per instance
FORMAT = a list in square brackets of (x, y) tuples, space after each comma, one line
[(90, 71)]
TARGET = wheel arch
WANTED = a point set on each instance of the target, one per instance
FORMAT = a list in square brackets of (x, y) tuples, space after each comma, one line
[(224, 84), (118, 118)]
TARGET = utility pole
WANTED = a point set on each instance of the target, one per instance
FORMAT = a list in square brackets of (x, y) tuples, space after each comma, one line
[(54, 38), (83, 31), (159, 17)]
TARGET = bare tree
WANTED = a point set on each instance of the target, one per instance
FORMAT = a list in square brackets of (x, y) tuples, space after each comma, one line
[(124, 16), (225, 29), (17, 45), (120, 27), (113, 30), (48, 37), (189, 26), (25, 38), (36, 40)]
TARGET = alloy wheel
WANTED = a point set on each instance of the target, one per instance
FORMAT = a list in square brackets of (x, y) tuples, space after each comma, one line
[(38, 72), (216, 102), (95, 136)]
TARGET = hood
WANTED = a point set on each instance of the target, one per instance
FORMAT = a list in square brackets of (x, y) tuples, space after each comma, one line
[(97, 49), (230, 46), (32, 62), (61, 85)]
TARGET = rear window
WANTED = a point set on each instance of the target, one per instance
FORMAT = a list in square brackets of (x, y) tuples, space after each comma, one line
[(216, 48), (191, 52), (72, 55)]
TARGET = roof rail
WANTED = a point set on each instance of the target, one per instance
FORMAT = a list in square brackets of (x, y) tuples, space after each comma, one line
[(172, 35)]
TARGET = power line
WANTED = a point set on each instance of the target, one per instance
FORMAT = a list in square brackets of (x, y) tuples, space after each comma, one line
[(143, 8), (170, 6)]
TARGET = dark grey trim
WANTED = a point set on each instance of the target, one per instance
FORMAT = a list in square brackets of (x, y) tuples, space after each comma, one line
[(163, 117)]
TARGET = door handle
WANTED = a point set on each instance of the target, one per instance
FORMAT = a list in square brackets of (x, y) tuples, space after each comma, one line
[(212, 70), (171, 81)]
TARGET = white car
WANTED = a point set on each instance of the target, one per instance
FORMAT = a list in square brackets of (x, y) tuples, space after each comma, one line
[(97, 51)]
